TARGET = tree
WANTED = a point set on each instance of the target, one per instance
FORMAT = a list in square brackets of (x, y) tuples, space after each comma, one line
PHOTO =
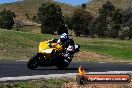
[(62, 29), (111, 22), (117, 16), (34, 18), (124, 33), (27, 16), (116, 23), (81, 22), (67, 21), (107, 9), (99, 26), (127, 17), (103, 23), (6, 19), (50, 16), (84, 6), (115, 28)]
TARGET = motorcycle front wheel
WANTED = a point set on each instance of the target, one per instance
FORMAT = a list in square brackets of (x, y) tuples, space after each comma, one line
[(33, 62), (62, 65)]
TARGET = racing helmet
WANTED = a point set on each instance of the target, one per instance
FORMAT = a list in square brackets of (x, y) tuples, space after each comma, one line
[(64, 36)]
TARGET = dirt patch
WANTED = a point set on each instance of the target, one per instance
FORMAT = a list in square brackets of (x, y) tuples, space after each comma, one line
[(85, 54), (75, 85), (90, 56), (95, 57)]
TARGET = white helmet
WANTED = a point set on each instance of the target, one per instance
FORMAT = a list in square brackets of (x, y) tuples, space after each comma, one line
[(64, 36)]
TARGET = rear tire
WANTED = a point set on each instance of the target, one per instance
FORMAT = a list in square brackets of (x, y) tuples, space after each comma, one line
[(33, 62)]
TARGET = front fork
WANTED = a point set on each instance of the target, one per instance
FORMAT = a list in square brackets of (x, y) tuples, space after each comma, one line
[(41, 58), (68, 57)]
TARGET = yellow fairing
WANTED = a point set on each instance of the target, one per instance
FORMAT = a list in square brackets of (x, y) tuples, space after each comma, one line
[(57, 46), (44, 45)]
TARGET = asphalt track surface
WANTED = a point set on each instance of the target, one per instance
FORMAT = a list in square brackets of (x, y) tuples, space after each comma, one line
[(19, 68)]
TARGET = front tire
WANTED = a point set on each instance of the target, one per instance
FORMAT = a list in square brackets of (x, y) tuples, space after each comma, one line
[(62, 65), (33, 62)]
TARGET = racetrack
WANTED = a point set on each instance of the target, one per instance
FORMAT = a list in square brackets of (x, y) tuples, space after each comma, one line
[(19, 68)]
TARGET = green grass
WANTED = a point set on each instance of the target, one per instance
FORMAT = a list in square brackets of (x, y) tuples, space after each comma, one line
[(19, 45), (121, 49), (23, 45), (50, 83), (31, 29)]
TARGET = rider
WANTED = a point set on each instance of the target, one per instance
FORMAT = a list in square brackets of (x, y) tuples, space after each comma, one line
[(63, 39), (66, 43)]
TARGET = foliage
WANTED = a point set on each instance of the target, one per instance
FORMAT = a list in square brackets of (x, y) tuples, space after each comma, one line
[(6, 19), (67, 21), (111, 21), (107, 9), (115, 23), (27, 16), (35, 19), (124, 33), (84, 6), (21, 7), (127, 17), (99, 26), (50, 16), (81, 22), (62, 29)]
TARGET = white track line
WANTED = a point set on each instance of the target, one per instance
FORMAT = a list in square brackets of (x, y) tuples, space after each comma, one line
[(68, 75)]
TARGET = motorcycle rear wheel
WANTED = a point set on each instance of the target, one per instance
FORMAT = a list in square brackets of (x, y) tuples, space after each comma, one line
[(33, 62)]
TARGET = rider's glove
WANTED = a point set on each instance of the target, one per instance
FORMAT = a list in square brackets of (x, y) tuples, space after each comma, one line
[(49, 44)]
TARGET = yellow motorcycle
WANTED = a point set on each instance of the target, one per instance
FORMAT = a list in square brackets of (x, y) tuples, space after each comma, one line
[(52, 53)]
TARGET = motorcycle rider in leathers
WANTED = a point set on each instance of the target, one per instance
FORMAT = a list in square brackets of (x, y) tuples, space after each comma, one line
[(65, 41)]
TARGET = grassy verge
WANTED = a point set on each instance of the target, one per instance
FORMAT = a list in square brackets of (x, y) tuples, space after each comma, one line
[(23, 45), (60, 83), (19, 45), (50, 83), (120, 49), (31, 29)]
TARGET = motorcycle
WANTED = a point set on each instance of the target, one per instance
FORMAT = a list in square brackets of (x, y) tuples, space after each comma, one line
[(52, 53)]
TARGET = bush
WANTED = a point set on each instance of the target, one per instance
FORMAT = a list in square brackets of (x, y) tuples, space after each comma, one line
[(81, 22), (50, 16), (124, 33), (6, 19)]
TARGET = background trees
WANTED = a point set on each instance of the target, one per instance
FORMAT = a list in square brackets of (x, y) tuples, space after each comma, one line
[(102, 24), (81, 22), (111, 21), (50, 16), (6, 19)]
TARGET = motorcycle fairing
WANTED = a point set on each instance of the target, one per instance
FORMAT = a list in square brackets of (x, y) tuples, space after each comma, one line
[(45, 47)]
